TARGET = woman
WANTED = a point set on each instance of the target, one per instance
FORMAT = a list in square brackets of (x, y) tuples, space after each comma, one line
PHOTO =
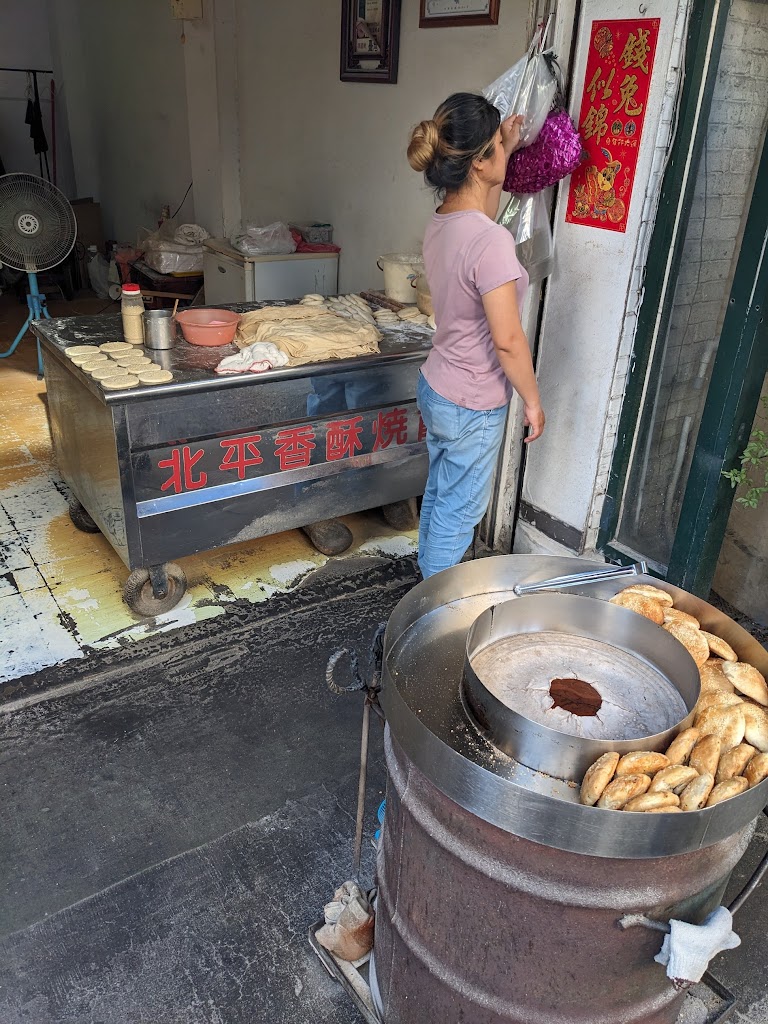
[(480, 352)]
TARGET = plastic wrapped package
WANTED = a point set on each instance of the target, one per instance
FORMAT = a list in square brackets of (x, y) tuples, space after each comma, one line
[(527, 218), (175, 249), (273, 240), (528, 88)]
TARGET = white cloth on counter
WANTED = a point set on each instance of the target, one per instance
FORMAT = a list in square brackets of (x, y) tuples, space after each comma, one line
[(688, 949), (256, 358)]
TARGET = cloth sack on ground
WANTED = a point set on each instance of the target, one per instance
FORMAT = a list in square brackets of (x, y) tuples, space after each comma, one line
[(688, 949), (306, 334), (349, 921)]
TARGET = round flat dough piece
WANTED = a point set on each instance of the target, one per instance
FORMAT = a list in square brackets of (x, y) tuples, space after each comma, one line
[(756, 770), (756, 729), (656, 593), (747, 680), (131, 361), (681, 746), (120, 382), (717, 698), (154, 376), (78, 350), (645, 606), (726, 790), (713, 677), (719, 647), (696, 793), (653, 801), (692, 639), (705, 756), (618, 792), (677, 615), (673, 779), (726, 722), (87, 357), (94, 364), (597, 778), (106, 370), (116, 346)]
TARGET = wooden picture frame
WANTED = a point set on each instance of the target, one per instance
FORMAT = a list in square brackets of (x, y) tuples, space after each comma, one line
[(370, 41), (458, 13)]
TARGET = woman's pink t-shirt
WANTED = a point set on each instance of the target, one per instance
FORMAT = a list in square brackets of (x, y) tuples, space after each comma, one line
[(467, 255)]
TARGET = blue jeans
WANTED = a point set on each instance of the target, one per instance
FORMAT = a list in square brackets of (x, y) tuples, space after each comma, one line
[(463, 446)]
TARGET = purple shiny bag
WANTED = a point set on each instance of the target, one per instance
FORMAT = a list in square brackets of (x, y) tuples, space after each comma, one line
[(556, 153)]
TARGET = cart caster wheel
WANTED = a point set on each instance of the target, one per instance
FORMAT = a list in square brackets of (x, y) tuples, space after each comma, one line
[(139, 594), (80, 517), (401, 515)]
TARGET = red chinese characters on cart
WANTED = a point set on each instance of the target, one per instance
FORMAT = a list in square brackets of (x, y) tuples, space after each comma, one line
[(191, 467), (613, 107)]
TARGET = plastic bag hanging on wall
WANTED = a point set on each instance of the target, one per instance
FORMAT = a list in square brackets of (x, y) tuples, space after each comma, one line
[(527, 218), (528, 89)]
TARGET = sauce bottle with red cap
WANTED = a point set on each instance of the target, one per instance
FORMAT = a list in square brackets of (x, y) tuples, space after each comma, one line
[(132, 309)]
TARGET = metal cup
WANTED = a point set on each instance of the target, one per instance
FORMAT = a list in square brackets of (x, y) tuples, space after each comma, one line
[(159, 329)]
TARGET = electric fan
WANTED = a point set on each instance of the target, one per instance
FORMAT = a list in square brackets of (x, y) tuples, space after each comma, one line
[(37, 232)]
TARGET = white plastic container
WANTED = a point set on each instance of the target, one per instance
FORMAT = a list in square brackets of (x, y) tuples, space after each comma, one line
[(132, 309), (400, 270)]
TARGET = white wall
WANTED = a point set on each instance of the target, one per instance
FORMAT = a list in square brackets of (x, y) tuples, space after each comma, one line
[(315, 147), (25, 42), (591, 308), (128, 114)]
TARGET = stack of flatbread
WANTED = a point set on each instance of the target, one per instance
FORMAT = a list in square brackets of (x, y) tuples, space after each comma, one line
[(721, 756), (307, 333)]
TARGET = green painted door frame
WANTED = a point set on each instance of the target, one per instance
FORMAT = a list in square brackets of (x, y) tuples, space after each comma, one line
[(738, 373), (737, 376)]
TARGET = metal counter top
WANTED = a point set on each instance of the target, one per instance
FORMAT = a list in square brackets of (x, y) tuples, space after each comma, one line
[(194, 366)]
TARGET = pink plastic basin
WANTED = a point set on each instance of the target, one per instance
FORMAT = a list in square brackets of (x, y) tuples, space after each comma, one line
[(208, 326)]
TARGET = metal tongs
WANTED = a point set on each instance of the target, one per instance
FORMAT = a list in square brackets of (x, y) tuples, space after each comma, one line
[(613, 572)]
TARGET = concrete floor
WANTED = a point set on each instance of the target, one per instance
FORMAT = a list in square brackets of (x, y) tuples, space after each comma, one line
[(61, 590), (179, 796)]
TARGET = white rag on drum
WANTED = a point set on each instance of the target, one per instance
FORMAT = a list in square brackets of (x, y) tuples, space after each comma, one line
[(688, 949)]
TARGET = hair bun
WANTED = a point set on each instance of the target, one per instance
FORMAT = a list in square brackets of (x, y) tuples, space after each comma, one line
[(424, 144)]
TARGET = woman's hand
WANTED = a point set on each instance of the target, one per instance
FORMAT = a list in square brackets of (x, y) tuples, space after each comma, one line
[(535, 419), (510, 134)]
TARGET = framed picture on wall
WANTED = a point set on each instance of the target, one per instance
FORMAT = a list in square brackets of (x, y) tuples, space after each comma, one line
[(450, 13), (370, 40)]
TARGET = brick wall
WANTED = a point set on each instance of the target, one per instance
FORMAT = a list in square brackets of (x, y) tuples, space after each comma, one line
[(736, 128)]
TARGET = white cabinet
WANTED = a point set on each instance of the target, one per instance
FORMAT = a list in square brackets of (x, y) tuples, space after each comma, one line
[(232, 277)]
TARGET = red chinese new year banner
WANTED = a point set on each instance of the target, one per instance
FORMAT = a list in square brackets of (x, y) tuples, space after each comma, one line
[(616, 87)]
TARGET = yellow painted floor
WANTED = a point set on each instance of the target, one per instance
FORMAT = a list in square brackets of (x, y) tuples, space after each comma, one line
[(60, 589)]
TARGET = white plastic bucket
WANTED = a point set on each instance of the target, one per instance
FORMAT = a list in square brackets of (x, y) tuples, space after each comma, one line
[(400, 270)]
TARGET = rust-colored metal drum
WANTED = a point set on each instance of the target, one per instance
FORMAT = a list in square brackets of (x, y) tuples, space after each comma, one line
[(500, 896), (479, 926)]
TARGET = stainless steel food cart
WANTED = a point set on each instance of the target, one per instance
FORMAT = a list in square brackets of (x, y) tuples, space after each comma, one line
[(207, 460)]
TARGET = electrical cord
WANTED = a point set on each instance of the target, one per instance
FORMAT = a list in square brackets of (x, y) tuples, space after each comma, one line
[(182, 201)]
